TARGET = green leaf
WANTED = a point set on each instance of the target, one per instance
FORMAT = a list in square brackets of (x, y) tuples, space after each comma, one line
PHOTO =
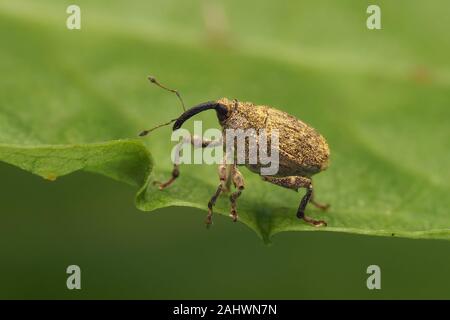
[(75, 100)]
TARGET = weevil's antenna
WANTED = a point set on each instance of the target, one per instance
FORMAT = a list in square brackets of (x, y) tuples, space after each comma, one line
[(146, 132), (153, 80)]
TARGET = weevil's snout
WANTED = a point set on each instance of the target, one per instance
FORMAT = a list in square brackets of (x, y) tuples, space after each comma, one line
[(222, 111)]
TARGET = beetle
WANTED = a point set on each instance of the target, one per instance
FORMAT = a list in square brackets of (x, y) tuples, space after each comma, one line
[(303, 152)]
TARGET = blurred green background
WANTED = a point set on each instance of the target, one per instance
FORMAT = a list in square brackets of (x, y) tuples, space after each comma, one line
[(124, 253), (251, 46)]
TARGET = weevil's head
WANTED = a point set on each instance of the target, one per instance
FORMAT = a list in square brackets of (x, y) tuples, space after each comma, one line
[(223, 107)]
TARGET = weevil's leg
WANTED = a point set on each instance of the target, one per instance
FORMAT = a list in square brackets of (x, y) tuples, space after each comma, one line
[(238, 181), (301, 209), (291, 182), (227, 187), (321, 206), (176, 164), (197, 142), (220, 188), (294, 183), (175, 174)]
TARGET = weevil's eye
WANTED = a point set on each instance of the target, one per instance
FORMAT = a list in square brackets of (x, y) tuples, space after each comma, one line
[(222, 112)]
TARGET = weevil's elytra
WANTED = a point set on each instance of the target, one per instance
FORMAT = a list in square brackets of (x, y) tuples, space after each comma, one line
[(303, 152)]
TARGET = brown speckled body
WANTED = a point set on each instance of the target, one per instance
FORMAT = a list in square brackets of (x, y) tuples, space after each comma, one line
[(302, 150)]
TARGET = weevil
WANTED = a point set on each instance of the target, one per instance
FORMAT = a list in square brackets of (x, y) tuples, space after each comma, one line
[(303, 152)]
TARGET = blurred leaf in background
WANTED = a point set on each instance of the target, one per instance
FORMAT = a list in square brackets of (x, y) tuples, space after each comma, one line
[(380, 97)]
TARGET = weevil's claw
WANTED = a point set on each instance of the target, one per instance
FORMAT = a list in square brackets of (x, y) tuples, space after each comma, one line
[(318, 223), (234, 215), (323, 207), (311, 221), (159, 184), (163, 185), (208, 220)]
